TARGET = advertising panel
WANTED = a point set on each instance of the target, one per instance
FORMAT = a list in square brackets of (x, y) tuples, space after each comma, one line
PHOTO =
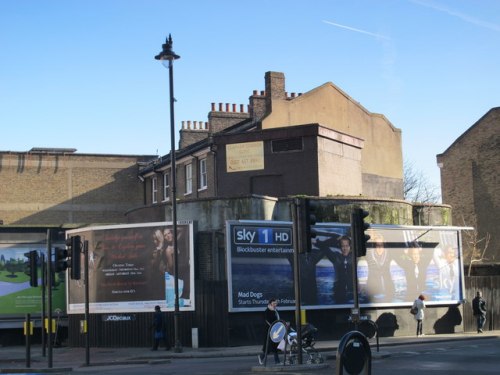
[(17, 297), (401, 262), (131, 268)]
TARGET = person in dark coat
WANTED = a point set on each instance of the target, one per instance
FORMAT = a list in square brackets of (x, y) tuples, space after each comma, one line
[(159, 330), (479, 310), (270, 316)]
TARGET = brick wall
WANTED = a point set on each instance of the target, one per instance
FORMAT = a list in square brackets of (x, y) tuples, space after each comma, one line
[(50, 188), (469, 181)]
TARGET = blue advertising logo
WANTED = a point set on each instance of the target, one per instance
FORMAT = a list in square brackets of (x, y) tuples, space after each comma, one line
[(262, 236)]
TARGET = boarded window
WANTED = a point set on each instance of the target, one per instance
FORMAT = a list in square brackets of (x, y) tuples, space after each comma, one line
[(287, 145)]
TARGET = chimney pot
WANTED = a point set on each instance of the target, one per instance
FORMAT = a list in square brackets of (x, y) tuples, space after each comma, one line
[(213, 107), (220, 107)]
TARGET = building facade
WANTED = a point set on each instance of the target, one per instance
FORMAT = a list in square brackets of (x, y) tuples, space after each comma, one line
[(58, 186), (244, 163), (470, 169), (320, 143)]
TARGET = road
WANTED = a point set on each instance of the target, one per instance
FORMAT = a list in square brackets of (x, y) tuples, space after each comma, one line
[(474, 357), (478, 357)]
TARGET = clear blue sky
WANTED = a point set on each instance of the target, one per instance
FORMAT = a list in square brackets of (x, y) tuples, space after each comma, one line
[(81, 73)]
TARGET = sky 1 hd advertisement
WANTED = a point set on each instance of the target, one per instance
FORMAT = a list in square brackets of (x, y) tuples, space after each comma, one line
[(131, 268), (401, 263)]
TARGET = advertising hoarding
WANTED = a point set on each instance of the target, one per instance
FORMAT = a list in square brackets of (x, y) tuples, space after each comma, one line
[(131, 268), (17, 297), (401, 262)]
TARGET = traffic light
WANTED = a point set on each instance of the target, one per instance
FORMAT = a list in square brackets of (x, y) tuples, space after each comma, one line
[(31, 267), (306, 220), (358, 228), (73, 247), (61, 263)]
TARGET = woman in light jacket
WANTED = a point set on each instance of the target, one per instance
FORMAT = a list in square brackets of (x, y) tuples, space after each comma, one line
[(419, 316)]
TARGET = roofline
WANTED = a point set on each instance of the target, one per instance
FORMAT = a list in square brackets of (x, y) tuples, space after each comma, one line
[(468, 130)]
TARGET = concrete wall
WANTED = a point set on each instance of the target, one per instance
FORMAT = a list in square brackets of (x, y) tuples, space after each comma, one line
[(212, 213), (327, 163), (339, 168), (330, 107)]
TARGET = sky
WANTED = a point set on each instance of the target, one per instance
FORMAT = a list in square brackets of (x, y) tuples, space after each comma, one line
[(81, 73)]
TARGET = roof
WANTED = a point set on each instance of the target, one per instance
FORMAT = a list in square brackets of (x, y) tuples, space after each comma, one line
[(464, 134)]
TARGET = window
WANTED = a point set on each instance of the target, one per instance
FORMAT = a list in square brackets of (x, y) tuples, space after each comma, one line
[(203, 174), (189, 178), (154, 189), (287, 145), (166, 186)]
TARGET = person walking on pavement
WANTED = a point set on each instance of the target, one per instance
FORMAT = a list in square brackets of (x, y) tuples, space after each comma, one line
[(479, 310), (419, 304), (159, 330), (270, 316)]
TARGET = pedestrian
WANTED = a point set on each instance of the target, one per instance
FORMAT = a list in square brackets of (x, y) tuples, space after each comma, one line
[(479, 310), (159, 330), (270, 316), (419, 304)]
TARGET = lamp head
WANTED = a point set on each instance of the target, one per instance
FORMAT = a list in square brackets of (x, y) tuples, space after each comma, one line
[(167, 54)]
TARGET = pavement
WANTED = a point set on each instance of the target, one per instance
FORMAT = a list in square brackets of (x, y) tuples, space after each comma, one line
[(66, 359)]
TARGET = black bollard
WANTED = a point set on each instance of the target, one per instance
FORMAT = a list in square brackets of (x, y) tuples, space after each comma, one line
[(354, 354)]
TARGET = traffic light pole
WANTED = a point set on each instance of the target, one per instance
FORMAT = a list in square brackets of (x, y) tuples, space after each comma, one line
[(355, 314), (86, 273), (49, 299), (297, 241), (358, 242), (44, 303)]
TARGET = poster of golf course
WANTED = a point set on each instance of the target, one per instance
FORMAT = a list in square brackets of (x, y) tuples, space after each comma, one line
[(17, 297)]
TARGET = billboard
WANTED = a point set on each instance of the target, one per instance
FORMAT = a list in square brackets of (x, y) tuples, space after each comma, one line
[(131, 268), (17, 297), (401, 262)]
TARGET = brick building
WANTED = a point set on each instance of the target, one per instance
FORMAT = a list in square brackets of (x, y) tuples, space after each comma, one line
[(470, 170), (58, 187), (320, 143), (243, 163)]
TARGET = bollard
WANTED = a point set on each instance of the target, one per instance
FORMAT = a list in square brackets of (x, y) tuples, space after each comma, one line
[(354, 354), (194, 338), (28, 331)]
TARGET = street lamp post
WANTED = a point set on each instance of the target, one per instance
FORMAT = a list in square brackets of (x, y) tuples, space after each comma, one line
[(167, 57)]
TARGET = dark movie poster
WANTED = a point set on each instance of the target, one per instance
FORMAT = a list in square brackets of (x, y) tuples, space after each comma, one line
[(400, 264), (131, 268)]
